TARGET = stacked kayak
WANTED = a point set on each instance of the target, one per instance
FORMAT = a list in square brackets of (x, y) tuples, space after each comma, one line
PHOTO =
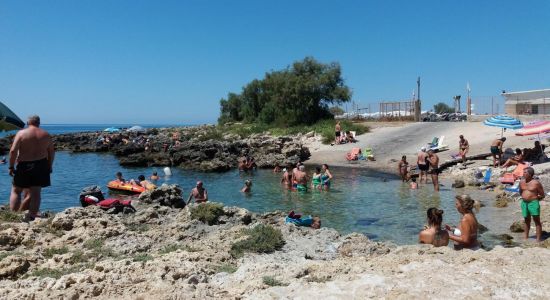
[(125, 187), (504, 122), (541, 127)]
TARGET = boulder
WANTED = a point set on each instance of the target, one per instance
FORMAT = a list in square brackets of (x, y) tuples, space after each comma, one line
[(458, 184), (517, 226), (166, 195), (13, 266)]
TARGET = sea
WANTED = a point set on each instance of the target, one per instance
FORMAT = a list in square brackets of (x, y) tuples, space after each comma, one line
[(376, 204)]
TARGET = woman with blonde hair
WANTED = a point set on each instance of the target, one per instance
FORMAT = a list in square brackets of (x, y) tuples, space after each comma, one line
[(465, 234)]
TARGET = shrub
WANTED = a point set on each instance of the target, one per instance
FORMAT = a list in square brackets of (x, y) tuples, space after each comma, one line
[(50, 252), (271, 281), (10, 216), (142, 257), (260, 239), (53, 273), (207, 212), (227, 268)]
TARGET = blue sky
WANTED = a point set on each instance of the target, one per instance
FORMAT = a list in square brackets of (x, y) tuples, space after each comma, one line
[(171, 61)]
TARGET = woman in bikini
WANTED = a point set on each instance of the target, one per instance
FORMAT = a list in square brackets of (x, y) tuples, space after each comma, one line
[(433, 234), (465, 234)]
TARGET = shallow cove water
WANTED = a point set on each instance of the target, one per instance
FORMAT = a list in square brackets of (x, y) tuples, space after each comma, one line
[(378, 205)]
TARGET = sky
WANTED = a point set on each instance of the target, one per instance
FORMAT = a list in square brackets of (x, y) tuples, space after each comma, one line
[(170, 62)]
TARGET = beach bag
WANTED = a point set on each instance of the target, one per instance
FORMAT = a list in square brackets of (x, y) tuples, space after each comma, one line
[(93, 191)]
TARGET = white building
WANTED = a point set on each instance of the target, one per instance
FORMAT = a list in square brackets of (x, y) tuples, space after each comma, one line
[(536, 102)]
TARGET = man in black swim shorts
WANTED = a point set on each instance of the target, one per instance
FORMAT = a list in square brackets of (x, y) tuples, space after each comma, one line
[(496, 150), (33, 151)]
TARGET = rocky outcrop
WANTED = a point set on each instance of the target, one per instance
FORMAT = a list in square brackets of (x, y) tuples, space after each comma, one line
[(160, 252), (165, 195), (200, 148)]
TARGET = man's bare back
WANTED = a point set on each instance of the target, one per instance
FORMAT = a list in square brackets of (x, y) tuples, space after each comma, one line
[(32, 144), (301, 177), (497, 143)]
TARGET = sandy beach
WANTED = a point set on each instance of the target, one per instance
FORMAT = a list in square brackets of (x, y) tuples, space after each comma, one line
[(390, 141)]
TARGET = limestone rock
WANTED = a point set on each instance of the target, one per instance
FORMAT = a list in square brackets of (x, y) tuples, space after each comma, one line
[(13, 266), (517, 226)]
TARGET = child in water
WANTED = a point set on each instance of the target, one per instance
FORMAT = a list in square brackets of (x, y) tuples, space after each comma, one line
[(414, 185), (247, 188)]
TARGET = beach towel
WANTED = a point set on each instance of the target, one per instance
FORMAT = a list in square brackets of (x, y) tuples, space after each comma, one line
[(512, 177)]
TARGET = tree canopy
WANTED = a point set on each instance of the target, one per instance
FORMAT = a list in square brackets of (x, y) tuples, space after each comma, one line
[(300, 94)]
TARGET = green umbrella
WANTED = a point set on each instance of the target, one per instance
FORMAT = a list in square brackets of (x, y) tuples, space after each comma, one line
[(9, 120)]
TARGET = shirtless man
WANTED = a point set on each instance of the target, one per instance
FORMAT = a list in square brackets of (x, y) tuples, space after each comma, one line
[(433, 161), (531, 193), (301, 179), (496, 150), (337, 130), (463, 147), (33, 151), (199, 193), (422, 164)]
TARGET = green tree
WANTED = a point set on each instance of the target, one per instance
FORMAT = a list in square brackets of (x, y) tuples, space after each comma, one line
[(441, 108), (300, 94), (335, 110)]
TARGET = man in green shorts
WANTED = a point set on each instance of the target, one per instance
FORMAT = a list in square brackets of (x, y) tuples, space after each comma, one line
[(531, 192)]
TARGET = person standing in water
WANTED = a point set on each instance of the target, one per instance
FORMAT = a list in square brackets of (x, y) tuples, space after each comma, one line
[(316, 179), (301, 179), (34, 152), (433, 161), (422, 163), (326, 177), (463, 147), (531, 193), (247, 188), (403, 168), (434, 234), (496, 150), (199, 193)]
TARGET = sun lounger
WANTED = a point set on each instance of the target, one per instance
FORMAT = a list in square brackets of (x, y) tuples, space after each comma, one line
[(440, 145), (514, 188), (433, 143), (487, 178), (512, 177)]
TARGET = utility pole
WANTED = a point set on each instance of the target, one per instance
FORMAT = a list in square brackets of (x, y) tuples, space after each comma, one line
[(417, 105), (492, 105)]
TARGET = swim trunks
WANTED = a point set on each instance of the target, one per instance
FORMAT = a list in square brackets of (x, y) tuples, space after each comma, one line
[(423, 167), (32, 173), (495, 150), (530, 208), (301, 188)]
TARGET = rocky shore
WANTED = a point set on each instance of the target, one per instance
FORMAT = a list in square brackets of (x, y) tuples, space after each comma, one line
[(169, 253), (203, 148)]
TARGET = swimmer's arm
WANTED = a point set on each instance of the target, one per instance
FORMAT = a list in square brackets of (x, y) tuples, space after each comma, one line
[(14, 151)]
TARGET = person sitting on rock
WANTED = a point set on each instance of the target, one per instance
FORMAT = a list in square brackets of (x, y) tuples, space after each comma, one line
[(199, 193), (247, 188), (515, 160), (532, 154), (434, 234), (119, 177), (350, 138)]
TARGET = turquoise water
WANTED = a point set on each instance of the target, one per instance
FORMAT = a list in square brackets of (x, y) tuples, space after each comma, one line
[(379, 206)]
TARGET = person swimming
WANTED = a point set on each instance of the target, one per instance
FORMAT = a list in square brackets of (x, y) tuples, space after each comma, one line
[(316, 179), (144, 183), (433, 234), (465, 234), (247, 188), (154, 177), (414, 184)]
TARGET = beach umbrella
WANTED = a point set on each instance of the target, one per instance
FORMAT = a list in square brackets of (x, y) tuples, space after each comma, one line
[(504, 122), (532, 130), (111, 129), (9, 120), (136, 129)]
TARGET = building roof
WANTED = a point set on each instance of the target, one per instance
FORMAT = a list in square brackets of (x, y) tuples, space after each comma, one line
[(533, 96)]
